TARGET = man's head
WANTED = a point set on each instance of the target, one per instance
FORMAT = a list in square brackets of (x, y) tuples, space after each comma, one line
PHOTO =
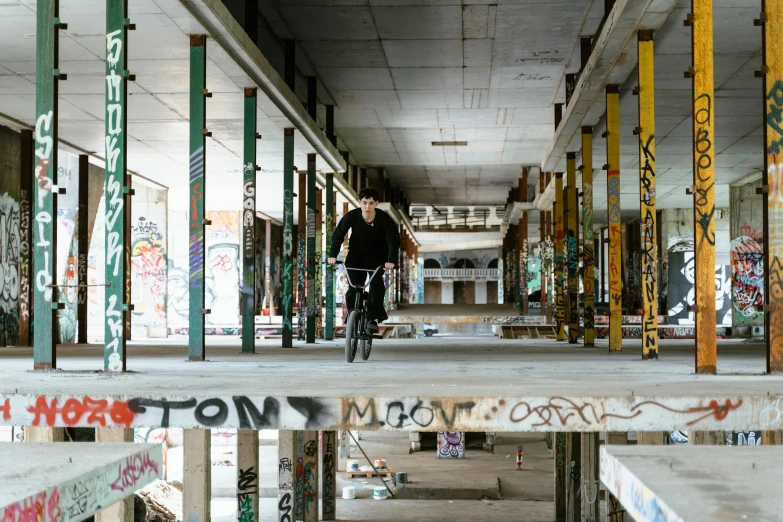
[(368, 200)]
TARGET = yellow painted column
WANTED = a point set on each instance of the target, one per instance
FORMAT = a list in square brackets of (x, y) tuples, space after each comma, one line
[(572, 249), (704, 186), (646, 132), (613, 209), (773, 183), (559, 258), (588, 255)]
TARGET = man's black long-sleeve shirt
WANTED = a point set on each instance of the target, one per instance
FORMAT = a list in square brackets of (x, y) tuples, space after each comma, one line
[(378, 242)]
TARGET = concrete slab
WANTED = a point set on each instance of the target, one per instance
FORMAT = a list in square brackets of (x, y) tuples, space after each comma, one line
[(70, 481), (430, 384), (695, 483)]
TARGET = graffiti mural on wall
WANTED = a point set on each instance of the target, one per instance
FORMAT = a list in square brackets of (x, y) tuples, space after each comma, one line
[(148, 271), (10, 242), (682, 292), (747, 279)]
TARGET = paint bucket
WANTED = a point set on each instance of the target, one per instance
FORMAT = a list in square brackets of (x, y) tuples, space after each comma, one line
[(380, 464), (353, 465), (402, 477), (349, 492), (379, 493)]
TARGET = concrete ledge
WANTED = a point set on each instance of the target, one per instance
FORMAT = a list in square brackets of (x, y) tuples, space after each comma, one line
[(695, 483), (70, 481), (505, 414)]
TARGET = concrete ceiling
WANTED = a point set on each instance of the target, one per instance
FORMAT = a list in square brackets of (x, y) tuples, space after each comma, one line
[(738, 113), (407, 74), (158, 54)]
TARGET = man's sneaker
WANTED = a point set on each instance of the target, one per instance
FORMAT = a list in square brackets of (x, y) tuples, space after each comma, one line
[(373, 327)]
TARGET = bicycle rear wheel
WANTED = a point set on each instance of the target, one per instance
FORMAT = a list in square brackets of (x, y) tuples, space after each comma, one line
[(351, 335)]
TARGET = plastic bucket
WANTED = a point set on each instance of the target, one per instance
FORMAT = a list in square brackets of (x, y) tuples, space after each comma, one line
[(379, 493), (349, 492), (353, 465), (380, 464)]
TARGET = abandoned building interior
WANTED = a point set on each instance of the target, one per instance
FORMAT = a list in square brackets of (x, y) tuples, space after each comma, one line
[(586, 305)]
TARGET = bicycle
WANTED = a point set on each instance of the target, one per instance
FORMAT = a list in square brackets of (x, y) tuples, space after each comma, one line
[(357, 334)]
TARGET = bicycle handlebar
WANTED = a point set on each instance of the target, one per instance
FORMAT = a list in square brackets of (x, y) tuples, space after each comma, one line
[(374, 272)]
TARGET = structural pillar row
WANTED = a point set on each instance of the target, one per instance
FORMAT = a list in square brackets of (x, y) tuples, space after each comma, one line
[(311, 241), (249, 170), (572, 248), (288, 237), (559, 258)]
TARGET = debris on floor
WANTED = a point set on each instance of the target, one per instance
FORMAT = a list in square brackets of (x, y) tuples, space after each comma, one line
[(163, 501)]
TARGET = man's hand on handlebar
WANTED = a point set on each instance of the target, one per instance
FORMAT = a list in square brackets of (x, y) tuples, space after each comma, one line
[(332, 260), (388, 266)]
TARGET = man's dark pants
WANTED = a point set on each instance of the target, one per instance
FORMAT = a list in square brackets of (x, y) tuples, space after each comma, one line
[(376, 291)]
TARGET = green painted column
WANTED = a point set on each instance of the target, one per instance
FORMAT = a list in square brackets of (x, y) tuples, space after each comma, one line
[(117, 298), (311, 286), (82, 250), (288, 237), (198, 134), (329, 331), (301, 258), (319, 286), (248, 225), (44, 202)]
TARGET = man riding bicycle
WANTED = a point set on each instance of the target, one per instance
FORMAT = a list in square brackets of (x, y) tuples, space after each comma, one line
[(374, 241)]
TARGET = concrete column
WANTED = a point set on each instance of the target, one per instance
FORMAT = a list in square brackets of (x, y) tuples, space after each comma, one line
[(286, 454), (614, 510), (414, 437), (561, 476), (310, 482), (589, 474), (572, 249), (197, 217), (773, 184), (707, 438), (299, 477), (649, 244), (704, 185), (587, 235), (288, 237), (43, 434), (44, 198), (329, 272), (345, 444), (197, 476), (328, 468), (121, 511), (651, 438), (249, 269), (559, 258), (574, 480), (550, 279), (612, 168), (247, 476), (301, 260), (82, 247), (25, 240), (319, 272), (311, 261)]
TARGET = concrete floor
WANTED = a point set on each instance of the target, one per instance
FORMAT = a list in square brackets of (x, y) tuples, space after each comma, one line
[(428, 367)]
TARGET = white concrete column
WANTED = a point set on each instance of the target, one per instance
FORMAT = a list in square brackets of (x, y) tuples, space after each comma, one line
[(310, 490), (345, 444), (43, 434), (247, 475), (328, 467), (197, 476), (573, 475), (286, 454), (447, 292), (481, 292), (415, 439), (121, 511)]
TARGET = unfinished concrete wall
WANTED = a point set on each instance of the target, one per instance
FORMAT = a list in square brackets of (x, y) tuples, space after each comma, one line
[(747, 258), (149, 260), (10, 236)]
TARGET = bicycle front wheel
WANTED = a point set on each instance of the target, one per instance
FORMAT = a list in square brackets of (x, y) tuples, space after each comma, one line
[(352, 333)]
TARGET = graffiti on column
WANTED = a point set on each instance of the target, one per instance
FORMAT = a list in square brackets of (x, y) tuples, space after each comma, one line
[(247, 487), (301, 275), (329, 462), (559, 267), (705, 199), (587, 247), (523, 269), (10, 244), (573, 282), (747, 279), (615, 285), (649, 269), (288, 252), (286, 485), (773, 84), (67, 242), (43, 219), (24, 262)]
